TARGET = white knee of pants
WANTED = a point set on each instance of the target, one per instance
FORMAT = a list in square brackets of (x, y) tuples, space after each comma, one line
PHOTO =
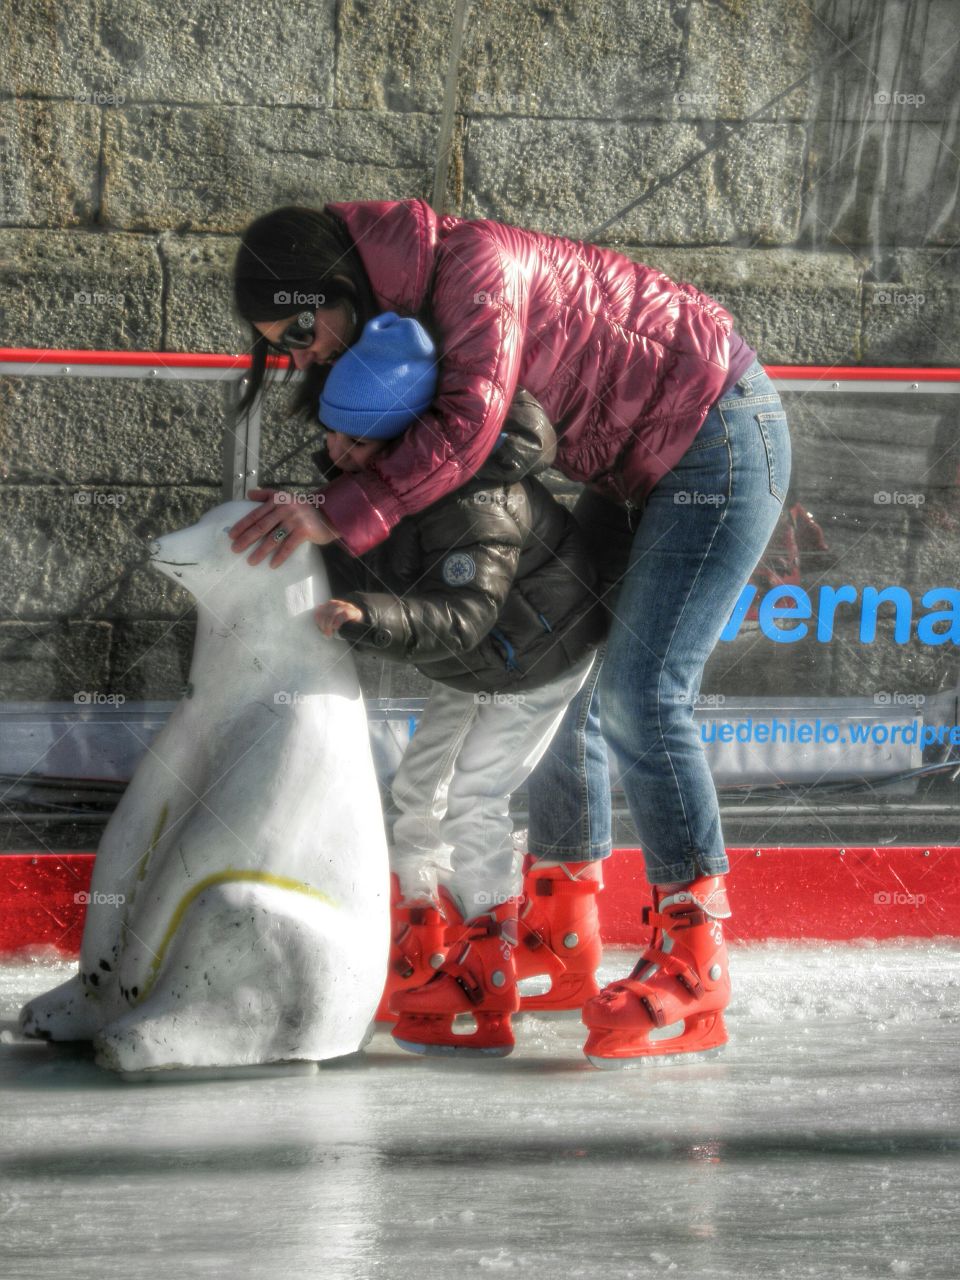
[(504, 744)]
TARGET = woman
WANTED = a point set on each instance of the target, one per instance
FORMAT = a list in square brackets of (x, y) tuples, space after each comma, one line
[(660, 409)]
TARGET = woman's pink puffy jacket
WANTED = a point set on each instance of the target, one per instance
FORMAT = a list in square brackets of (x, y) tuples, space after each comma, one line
[(625, 361)]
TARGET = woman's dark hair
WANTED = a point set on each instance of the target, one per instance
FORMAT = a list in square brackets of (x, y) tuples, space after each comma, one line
[(296, 249)]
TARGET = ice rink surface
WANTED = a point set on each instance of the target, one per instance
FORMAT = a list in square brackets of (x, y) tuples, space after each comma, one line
[(824, 1142)]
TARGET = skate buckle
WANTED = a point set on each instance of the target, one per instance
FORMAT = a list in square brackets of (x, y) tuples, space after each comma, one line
[(689, 979), (655, 1010), (546, 888), (472, 989), (687, 919)]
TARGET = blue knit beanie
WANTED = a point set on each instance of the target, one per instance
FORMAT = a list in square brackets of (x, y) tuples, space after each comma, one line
[(380, 384)]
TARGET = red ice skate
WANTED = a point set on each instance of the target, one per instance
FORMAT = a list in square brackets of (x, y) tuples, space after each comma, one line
[(478, 977), (673, 1001), (417, 948), (558, 935)]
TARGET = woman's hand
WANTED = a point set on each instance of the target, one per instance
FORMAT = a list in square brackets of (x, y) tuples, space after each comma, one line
[(294, 513), (331, 616)]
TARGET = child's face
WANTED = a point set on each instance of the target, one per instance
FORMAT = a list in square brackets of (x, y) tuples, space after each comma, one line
[(351, 454)]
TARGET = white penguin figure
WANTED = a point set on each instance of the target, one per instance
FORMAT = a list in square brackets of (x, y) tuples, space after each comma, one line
[(239, 908)]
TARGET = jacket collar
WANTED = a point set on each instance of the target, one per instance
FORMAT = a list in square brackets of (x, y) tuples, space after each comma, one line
[(397, 243)]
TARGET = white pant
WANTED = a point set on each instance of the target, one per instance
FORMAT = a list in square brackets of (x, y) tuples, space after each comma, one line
[(469, 753)]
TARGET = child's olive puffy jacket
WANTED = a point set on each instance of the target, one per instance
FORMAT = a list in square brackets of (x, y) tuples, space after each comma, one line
[(490, 589)]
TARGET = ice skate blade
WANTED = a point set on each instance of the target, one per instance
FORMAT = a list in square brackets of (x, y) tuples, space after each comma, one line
[(185, 1075), (454, 1050), (692, 1057)]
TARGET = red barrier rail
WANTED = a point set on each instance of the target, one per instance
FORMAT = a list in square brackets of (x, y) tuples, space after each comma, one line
[(213, 360), (860, 373), (128, 359), (786, 892)]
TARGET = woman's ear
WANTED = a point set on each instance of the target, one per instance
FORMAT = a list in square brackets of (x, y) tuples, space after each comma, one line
[(352, 311)]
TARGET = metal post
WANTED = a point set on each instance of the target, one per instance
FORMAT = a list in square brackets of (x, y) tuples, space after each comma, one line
[(241, 444)]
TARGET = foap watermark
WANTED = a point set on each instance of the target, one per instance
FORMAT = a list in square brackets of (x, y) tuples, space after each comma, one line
[(890, 898), (691, 101), (702, 699), (97, 899), (97, 298), (484, 299), (898, 699), (484, 899), (288, 697), (697, 498), (304, 499), (295, 298), (483, 498), (485, 699), (99, 498), (100, 97), (898, 498), (93, 698), (894, 298), (894, 98), (296, 99)]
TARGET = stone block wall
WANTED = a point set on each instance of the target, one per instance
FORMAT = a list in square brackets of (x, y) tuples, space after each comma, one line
[(797, 160)]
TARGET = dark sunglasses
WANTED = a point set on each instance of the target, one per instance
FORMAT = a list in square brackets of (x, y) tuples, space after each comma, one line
[(297, 336)]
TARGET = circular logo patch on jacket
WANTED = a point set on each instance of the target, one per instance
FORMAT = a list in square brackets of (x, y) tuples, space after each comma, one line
[(458, 569)]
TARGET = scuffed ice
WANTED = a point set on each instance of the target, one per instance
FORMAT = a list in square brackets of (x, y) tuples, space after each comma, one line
[(824, 1143)]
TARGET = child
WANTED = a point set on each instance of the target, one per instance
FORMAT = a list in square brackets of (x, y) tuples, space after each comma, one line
[(490, 593)]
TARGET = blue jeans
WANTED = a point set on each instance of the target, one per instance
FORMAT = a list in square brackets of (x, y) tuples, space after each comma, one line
[(701, 534), (569, 791)]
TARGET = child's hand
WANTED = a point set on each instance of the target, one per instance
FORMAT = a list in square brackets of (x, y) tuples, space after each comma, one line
[(331, 616)]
